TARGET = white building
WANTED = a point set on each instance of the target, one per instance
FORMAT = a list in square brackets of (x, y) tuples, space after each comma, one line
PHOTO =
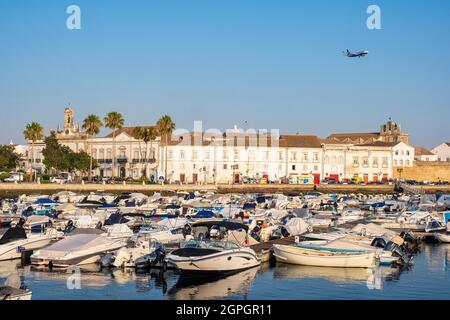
[(443, 152), (422, 154), (403, 155)]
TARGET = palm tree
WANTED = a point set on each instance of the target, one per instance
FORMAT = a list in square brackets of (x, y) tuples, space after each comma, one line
[(138, 133), (114, 121), (165, 127), (149, 134), (33, 132), (92, 125)]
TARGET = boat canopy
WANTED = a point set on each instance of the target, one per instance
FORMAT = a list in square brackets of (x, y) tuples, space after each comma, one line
[(225, 224), (12, 234), (44, 201)]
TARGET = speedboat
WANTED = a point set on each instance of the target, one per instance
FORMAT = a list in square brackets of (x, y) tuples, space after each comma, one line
[(16, 240), (76, 250), (325, 257), (203, 255)]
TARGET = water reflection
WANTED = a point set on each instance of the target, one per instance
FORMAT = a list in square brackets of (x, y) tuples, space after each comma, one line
[(203, 288), (372, 277)]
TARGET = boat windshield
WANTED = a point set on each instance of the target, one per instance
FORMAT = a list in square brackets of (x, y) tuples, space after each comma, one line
[(211, 244)]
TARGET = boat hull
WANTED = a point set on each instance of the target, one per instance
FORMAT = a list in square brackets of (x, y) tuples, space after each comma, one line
[(13, 250), (217, 263), (295, 255)]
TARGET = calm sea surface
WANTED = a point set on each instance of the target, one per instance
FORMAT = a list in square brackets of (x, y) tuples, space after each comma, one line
[(428, 278)]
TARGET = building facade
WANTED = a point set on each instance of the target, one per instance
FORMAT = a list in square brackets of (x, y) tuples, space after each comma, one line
[(234, 156), (443, 152)]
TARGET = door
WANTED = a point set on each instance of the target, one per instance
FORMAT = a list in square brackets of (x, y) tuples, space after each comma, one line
[(366, 178), (195, 178), (182, 177), (375, 178), (123, 173), (237, 178), (385, 178), (316, 178)]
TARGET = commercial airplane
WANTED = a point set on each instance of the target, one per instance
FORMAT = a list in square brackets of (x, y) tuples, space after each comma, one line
[(358, 54)]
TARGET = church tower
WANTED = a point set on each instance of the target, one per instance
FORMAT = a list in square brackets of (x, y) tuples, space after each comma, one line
[(70, 129)]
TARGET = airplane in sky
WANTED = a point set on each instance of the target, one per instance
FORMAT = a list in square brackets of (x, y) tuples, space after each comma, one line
[(358, 54)]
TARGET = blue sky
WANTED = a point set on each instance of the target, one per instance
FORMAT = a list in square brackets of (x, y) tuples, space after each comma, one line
[(276, 64)]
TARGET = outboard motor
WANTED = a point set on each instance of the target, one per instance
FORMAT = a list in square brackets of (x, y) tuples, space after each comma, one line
[(99, 225), (284, 232), (255, 233), (20, 223), (411, 242), (399, 251), (69, 227)]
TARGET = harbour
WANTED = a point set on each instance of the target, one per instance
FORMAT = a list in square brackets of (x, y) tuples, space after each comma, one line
[(203, 245)]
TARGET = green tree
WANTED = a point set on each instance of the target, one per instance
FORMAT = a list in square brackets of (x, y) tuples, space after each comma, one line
[(114, 121), (55, 154), (92, 125), (165, 127), (9, 159), (33, 132), (81, 162)]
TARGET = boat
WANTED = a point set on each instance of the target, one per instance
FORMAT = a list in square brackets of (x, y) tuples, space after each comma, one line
[(325, 257), (15, 241), (76, 250), (443, 237), (207, 256)]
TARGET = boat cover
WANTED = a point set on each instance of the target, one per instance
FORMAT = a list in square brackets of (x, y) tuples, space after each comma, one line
[(372, 229), (75, 243), (173, 223), (296, 226), (37, 220)]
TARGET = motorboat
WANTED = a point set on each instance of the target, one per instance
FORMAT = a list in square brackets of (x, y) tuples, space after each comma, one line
[(80, 249), (220, 256), (325, 257), (15, 241), (141, 252)]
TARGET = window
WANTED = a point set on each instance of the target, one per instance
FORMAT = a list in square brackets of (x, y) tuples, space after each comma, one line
[(224, 167), (206, 155), (280, 167), (448, 159), (407, 152), (385, 162), (305, 167), (327, 159), (236, 154), (293, 167), (266, 155), (407, 162), (395, 162), (375, 162), (305, 157), (136, 154), (355, 161), (280, 155), (194, 155), (333, 160), (401, 162), (182, 166), (224, 154), (182, 155), (170, 154), (293, 156), (316, 168), (396, 152), (251, 155), (365, 162), (316, 157)]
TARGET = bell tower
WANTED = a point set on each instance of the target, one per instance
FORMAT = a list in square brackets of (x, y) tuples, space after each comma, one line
[(70, 129)]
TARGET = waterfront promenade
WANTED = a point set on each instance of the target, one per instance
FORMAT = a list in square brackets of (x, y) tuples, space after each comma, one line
[(220, 188)]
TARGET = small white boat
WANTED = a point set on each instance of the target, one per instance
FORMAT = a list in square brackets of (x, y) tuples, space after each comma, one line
[(443, 237), (16, 240), (76, 250), (325, 257)]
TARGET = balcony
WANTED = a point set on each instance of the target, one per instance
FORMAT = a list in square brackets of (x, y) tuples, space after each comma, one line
[(122, 160)]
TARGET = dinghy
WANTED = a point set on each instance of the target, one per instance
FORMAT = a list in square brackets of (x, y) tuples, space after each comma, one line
[(325, 257)]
